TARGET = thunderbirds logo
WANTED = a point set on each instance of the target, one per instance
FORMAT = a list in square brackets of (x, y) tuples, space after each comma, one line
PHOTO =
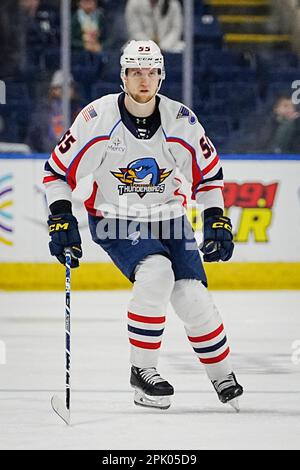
[(142, 176)]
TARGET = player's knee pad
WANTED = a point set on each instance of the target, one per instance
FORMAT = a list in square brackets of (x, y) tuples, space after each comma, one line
[(154, 282), (193, 303)]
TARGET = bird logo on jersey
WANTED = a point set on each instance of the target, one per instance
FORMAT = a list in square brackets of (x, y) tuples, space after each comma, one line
[(141, 176)]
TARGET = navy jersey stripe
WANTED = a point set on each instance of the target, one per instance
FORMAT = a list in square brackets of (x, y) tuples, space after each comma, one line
[(48, 167), (217, 176)]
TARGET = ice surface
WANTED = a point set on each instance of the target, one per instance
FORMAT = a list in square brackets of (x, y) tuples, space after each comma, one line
[(262, 328)]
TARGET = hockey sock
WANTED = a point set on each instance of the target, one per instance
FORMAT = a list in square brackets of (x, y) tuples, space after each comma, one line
[(154, 281), (204, 327)]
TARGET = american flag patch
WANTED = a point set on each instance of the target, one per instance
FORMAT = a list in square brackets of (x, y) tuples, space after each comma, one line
[(89, 113)]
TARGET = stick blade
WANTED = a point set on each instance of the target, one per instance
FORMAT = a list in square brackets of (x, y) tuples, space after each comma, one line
[(60, 409), (235, 404)]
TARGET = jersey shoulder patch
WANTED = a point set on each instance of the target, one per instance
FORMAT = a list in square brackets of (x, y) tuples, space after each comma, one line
[(186, 113), (178, 118), (89, 113), (101, 115)]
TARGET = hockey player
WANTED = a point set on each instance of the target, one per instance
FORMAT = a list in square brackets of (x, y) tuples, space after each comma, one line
[(132, 143)]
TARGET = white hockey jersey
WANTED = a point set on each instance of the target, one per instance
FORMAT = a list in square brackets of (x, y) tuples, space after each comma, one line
[(132, 177)]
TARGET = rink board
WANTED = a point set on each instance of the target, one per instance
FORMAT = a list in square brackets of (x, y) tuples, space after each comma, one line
[(221, 276), (262, 197)]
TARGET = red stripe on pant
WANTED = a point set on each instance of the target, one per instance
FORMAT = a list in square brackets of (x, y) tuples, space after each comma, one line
[(213, 334), (214, 360), (143, 319), (144, 345)]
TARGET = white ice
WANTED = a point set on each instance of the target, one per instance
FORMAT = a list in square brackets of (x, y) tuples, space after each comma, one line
[(264, 333)]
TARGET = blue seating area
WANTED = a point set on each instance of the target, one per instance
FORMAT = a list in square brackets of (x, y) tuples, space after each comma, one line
[(228, 84), (104, 88), (207, 30), (13, 122)]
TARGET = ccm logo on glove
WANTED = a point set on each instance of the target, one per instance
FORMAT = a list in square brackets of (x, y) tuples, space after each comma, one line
[(57, 227), (223, 224), (217, 239), (64, 233)]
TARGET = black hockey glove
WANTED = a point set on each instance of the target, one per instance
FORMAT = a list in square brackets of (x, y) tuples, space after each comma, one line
[(217, 239), (63, 230)]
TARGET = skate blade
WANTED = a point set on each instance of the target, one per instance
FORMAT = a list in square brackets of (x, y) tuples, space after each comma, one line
[(60, 409), (148, 401), (235, 404)]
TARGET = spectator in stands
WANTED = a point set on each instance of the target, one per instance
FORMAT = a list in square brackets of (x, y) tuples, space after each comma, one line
[(47, 125), (281, 134), (40, 23), (88, 31), (38, 28), (159, 20)]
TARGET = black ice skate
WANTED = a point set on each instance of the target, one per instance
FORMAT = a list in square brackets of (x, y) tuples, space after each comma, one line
[(228, 389), (151, 390)]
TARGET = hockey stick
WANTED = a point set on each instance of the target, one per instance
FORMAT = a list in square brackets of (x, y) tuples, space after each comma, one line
[(63, 410)]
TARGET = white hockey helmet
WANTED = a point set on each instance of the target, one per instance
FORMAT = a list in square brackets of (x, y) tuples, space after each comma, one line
[(142, 54)]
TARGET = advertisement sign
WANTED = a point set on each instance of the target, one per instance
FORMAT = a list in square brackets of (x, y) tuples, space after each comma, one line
[(262, 197)]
